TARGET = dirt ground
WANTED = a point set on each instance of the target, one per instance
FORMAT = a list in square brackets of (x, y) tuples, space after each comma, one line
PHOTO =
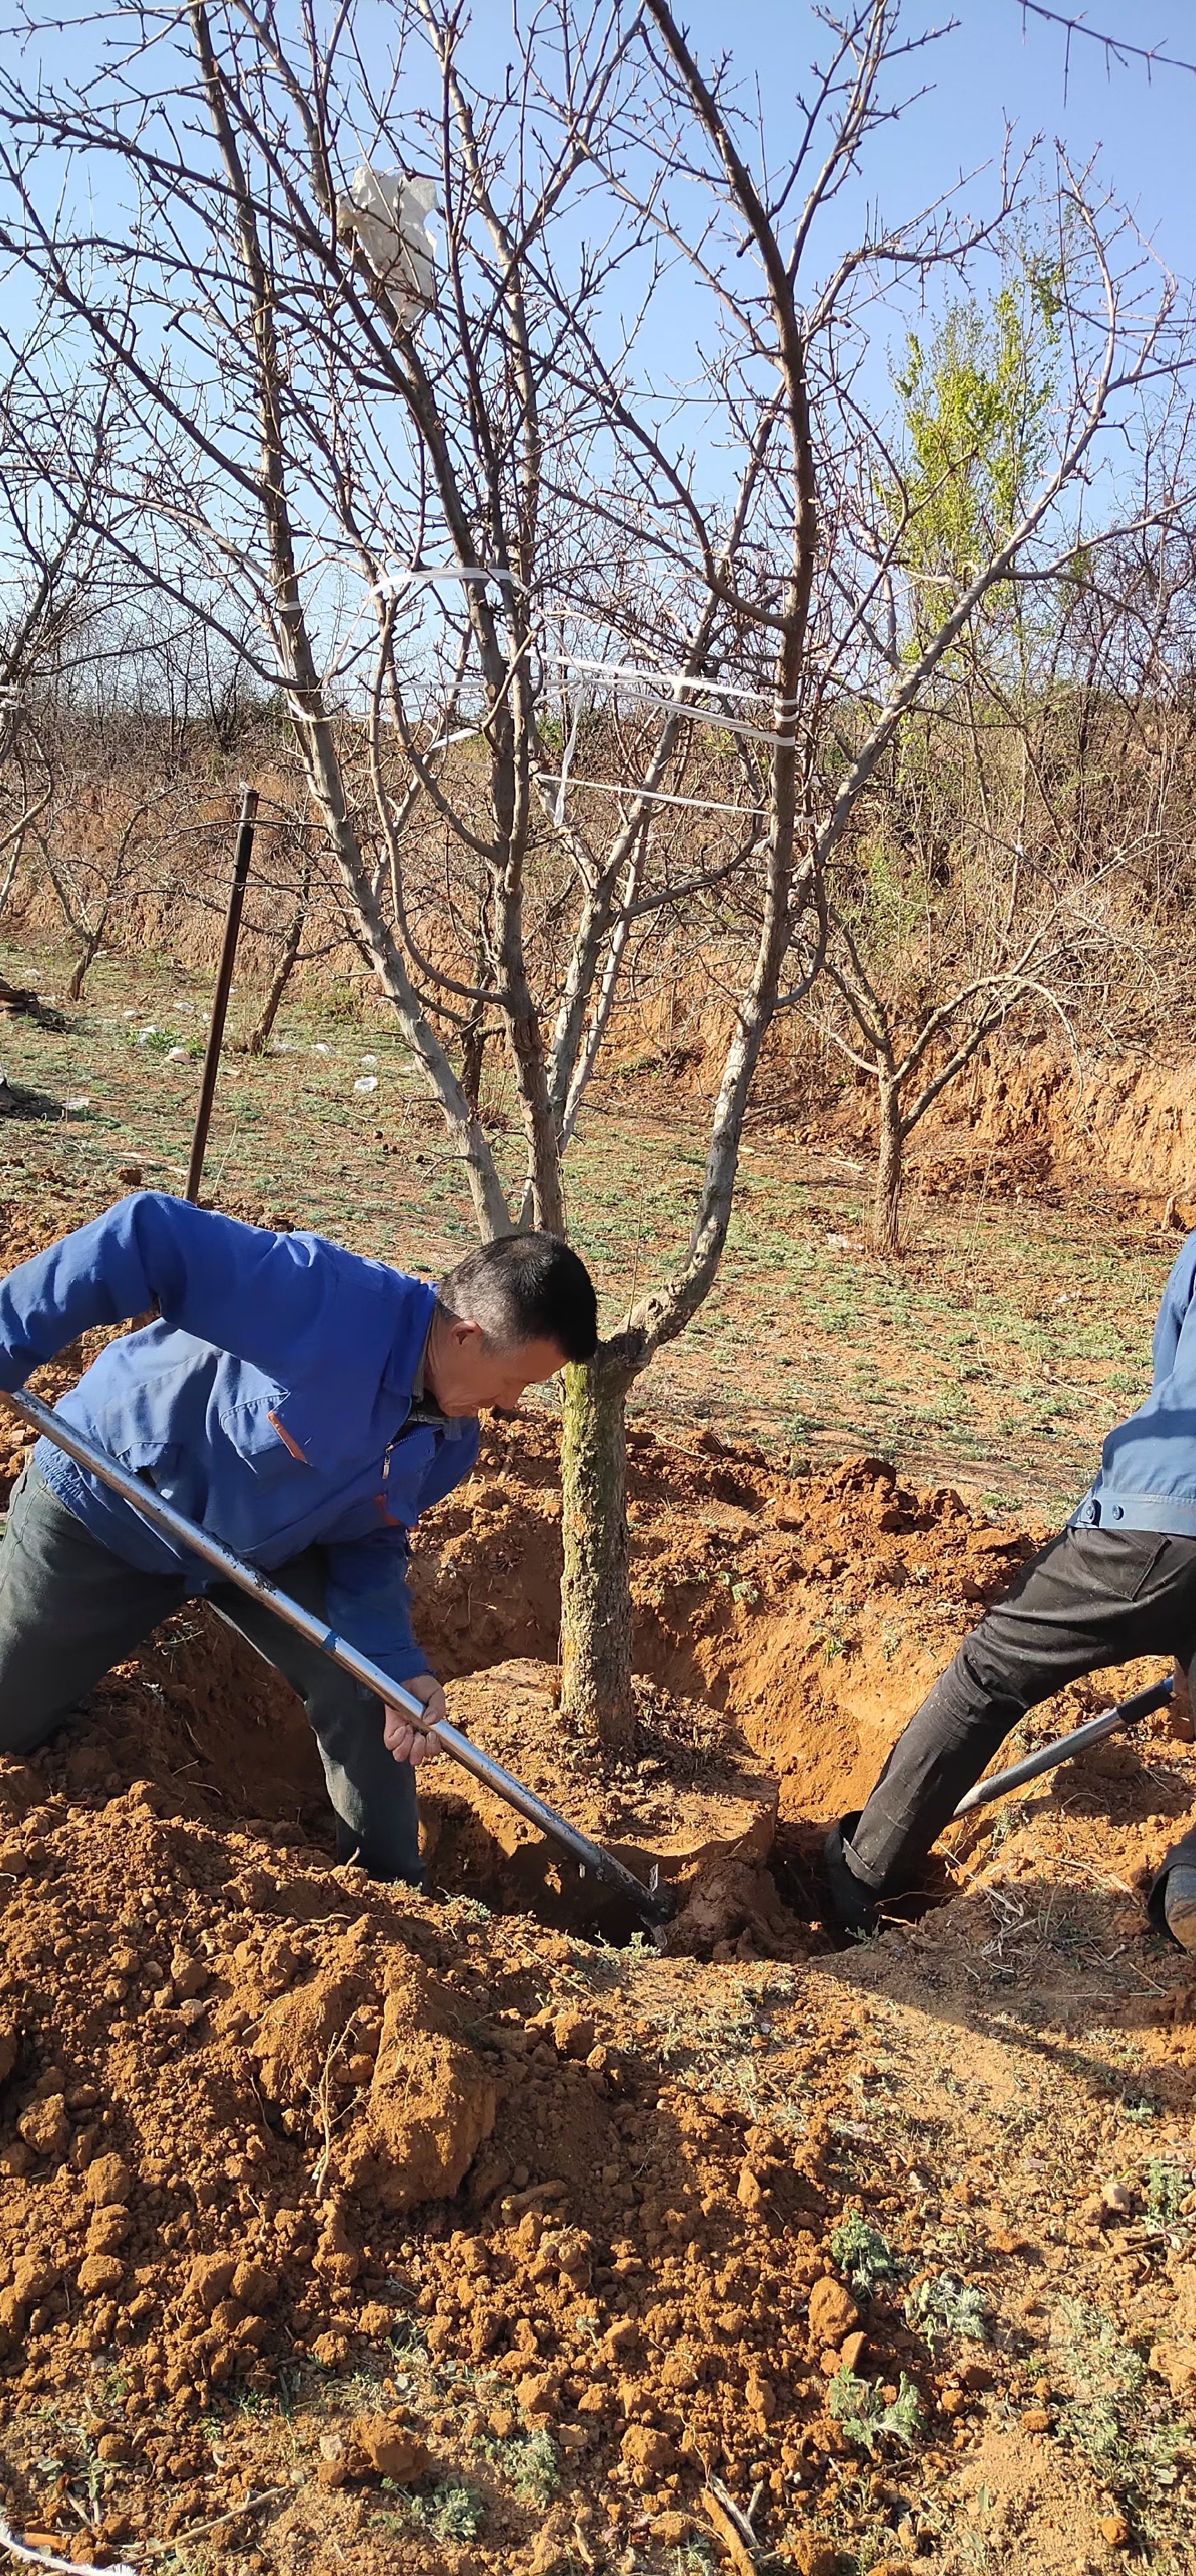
[(347, 2227)]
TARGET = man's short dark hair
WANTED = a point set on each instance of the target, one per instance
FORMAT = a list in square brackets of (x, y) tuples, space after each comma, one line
[(526, 1288)]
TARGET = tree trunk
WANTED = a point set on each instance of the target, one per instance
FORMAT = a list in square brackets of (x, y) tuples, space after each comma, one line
[(473, 1050), (596, 1585), (259, 1037), (91, 946), (10, 872), (886, 1206)]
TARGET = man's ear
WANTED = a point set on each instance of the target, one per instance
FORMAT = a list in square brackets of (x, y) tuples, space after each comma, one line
[(465, 1333)]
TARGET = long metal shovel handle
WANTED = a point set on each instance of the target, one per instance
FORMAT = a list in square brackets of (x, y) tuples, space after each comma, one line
[(162, 1516), (1143, 1704)]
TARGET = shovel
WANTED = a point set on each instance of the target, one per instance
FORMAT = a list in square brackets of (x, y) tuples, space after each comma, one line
[(1126, 1712), (653, 1905)]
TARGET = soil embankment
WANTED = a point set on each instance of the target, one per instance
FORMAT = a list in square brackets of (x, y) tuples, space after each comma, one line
[(1033, 1121)]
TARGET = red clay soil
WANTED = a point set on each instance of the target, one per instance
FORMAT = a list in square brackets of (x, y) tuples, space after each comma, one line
[(339, 2224), (244, 2094)]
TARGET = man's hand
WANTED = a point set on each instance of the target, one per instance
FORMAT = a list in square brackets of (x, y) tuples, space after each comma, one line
[(410, 1743)]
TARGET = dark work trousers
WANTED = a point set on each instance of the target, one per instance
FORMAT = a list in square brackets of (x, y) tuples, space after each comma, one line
[(1093, 1597), (69, 1609)]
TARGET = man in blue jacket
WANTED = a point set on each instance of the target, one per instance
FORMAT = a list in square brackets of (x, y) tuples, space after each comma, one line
[(1119, 1581), (302, 1404)]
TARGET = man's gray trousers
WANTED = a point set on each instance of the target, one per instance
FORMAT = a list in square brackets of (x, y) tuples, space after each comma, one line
[(70, 1609)]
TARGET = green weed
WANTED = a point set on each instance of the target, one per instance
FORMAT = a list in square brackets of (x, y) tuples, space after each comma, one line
[(862, 2254), (948, 2306), (528, 2463), (1114, 2415), (867, 2418), (450, 2512), (1167, 2188), (155, 1041), (407, 2338)]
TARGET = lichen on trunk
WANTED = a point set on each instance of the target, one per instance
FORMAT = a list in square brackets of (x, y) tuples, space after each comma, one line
[(596, 1582)]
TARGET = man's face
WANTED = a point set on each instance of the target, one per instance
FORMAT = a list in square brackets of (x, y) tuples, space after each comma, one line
[(466, 1374)]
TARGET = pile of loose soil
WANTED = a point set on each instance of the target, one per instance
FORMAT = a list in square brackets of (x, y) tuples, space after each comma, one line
[(261, 2116), (348, 2221)]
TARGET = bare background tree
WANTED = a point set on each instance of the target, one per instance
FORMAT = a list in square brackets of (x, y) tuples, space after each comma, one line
[(54, 563), (1117, 50)]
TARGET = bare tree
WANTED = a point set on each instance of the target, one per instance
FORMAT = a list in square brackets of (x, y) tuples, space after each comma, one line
[(557, 671), (929, 562), (498, 484), (51, 559)]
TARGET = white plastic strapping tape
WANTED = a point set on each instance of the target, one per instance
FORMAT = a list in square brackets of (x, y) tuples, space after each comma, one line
[(63, 2566)]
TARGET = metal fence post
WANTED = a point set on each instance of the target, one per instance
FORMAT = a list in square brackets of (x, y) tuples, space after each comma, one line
[(211, 1062)]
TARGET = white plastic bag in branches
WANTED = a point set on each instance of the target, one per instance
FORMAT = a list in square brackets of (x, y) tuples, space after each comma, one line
[(387, 214)]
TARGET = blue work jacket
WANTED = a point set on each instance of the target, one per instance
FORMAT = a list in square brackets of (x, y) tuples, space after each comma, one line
[(1147, 1478), (270, 1404)]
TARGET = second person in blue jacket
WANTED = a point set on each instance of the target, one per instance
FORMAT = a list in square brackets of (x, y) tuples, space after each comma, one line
[(302, 1404), (1119, 1581)]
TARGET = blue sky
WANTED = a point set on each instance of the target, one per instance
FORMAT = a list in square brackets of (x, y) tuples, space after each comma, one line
[(997, 63), (1000, 64)]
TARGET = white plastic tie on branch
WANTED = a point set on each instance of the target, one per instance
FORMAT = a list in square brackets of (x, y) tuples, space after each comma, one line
[(386, 212), (647, 675), (659, 690), (66, 2566), (652, 795), (406, 576)]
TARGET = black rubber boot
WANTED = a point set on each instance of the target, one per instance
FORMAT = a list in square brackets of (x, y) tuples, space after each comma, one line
[(1180, 1907), (853, 1906), (1172, 1903)]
